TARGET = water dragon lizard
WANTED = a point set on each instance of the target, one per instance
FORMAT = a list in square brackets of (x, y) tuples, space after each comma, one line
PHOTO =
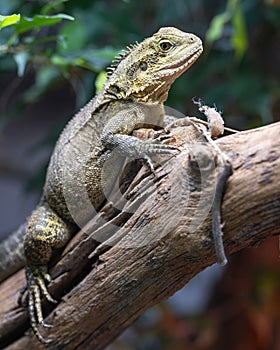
[(137, 85)]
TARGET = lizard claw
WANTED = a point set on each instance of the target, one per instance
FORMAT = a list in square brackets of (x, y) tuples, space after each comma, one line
[(22, 297), (37, 277), (149, 163), (160, 148), (157, 148), (46, 325)]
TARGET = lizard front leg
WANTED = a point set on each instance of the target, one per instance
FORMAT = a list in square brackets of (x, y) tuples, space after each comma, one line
[(116, 136), (45, 231)]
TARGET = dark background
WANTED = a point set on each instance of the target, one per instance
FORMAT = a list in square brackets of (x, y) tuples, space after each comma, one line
[(48, 73)]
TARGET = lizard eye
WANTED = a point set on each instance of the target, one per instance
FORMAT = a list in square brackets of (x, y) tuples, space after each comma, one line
[(165, 45)]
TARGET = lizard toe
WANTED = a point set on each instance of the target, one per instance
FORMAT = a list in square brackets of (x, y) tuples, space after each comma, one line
[(46, 325), (22, 298), (36, 286)]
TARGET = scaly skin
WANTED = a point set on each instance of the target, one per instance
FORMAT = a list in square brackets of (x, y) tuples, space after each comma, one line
[(11, 253), (78, 173)]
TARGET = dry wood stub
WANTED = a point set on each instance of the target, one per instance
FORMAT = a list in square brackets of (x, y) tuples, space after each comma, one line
[(154, 253)]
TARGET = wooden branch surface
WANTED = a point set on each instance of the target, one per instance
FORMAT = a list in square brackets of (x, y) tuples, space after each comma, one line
[(158, 241)]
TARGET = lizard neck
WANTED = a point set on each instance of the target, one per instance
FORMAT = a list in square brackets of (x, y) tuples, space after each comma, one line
[(156, 93)]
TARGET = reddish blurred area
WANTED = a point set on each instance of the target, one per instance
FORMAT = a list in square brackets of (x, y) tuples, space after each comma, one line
[(243, 311), (245, 307)]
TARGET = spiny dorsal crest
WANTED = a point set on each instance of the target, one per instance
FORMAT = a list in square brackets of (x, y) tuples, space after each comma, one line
[(121, 56)]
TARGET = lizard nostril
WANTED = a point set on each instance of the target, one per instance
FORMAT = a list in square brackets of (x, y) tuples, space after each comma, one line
[(192, 39)]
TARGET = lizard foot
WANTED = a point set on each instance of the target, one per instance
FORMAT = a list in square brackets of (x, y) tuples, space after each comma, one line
[(37, 278), (155, 147)]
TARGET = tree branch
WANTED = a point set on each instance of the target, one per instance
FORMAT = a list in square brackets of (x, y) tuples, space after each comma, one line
[(158, 240)]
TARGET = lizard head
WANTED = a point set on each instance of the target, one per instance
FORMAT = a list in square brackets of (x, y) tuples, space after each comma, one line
[(145, 72)]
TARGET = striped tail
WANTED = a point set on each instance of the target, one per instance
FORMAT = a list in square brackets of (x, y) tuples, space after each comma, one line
[(11, 253)]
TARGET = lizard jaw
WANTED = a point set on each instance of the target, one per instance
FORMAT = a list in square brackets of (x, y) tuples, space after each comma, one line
[(181, 67)]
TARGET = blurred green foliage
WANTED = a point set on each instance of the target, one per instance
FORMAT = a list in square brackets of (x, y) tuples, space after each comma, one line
[(76, 40), (45, 43), (235, 17)]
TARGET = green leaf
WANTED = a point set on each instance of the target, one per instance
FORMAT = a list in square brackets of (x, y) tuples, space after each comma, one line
[(92, 59), (6, 21), (215, 30), (21, 59), (98, 59), (39, 21), (239, 38), (100, 80)]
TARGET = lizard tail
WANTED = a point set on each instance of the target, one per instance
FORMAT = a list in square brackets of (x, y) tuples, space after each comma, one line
[(11, 253)]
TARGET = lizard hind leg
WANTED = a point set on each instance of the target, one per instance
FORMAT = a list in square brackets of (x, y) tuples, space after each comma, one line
[(45, 232)]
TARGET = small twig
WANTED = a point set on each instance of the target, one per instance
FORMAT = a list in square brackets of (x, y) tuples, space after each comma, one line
[(224, 172), (203, 122)]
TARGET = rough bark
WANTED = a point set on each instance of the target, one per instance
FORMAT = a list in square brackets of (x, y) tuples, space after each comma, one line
[(158, 240)]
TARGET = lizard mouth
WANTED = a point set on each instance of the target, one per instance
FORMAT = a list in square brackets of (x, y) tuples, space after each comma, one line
[(179, 66)]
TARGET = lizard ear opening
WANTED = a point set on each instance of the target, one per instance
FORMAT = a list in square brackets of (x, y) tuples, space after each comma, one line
[(143, 66)]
